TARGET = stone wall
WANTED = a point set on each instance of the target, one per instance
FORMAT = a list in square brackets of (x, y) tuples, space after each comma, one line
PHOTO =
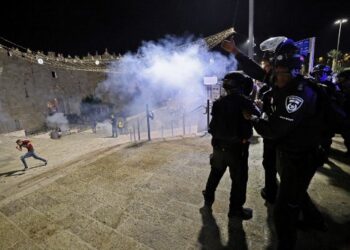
[(26, 88)]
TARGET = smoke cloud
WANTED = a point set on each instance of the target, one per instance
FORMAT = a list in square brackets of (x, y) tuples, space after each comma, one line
[(168, 75), (163, 72), (57, 120)]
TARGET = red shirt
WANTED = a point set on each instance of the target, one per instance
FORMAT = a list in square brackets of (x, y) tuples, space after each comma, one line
[(27, 144)]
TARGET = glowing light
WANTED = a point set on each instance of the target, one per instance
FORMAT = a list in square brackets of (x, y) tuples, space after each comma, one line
[(344, 20), (40, 61), (89, 63)]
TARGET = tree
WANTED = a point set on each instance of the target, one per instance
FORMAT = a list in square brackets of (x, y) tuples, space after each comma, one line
[(336, 56)]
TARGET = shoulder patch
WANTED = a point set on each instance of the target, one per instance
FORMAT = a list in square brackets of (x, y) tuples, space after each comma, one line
[(293, 103)]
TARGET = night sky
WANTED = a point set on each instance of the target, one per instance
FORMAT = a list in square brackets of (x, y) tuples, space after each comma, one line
[(76, 27)]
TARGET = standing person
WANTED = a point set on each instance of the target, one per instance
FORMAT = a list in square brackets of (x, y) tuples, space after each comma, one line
[(264, 98), (29, 146), (295, 126), (230, 140), (114, 126), (94, 125), (322, 77), (344, 84)]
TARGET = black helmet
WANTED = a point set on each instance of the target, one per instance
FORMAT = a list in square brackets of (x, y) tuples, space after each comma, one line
[(287, 55), (237, 81), (321, 68)]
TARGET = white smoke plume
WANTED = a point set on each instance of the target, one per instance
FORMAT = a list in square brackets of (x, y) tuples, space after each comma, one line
[(164, 72), (168, 74), (57, 120)]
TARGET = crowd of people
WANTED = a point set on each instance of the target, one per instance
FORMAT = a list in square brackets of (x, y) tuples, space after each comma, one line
[(296, 116)]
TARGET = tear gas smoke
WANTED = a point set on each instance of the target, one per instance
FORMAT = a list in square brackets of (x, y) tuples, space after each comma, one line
[(166, 73), (163, 71), (57, 120)]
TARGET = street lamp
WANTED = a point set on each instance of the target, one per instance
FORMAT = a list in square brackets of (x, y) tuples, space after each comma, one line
[(340, 22), (251, 29)]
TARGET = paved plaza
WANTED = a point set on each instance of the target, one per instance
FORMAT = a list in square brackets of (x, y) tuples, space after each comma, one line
[(107, 193)]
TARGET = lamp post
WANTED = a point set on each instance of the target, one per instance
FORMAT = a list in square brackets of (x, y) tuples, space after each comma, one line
[(251, 30), (340, 22)]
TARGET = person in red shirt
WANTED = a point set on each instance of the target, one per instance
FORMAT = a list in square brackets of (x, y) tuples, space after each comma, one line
[(29, 146)]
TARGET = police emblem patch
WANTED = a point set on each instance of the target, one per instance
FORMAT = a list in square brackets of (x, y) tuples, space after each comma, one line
[(293, 103)]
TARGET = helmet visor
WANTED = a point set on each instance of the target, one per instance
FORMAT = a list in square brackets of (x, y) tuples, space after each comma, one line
[(272, 43)]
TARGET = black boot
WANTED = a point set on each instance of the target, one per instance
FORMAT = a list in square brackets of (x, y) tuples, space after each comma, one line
[(243, 213), (208, 200)]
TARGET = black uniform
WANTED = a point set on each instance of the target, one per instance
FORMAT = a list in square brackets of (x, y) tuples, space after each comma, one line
[(336, 101), (345, 131), (269, 192), (295, 128), (252, 69), (230, 133), (269, 151)]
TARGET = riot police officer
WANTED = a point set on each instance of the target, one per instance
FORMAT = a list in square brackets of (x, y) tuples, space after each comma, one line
[(322, 74), (230, 140), (323, 78), (344, 84), (295, 127), (263, 74)]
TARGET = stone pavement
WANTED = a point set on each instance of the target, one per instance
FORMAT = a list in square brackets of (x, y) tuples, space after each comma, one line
[(148, 196)]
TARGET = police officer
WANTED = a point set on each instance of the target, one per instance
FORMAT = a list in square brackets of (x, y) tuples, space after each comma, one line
[(295, 127), (322, 74), (344, 84), (323, 78), (230, 140), (114, 125), (264, 97)]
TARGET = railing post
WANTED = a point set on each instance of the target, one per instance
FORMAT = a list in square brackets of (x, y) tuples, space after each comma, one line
[(148, 123), (208, 114), (138, 129), (183, 124), (134, 131), (172, 127)]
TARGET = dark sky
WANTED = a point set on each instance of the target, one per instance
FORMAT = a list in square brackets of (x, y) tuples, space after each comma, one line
[(77, 27)]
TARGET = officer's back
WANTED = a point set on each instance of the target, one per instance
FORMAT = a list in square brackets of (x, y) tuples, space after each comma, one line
[(228, 126)]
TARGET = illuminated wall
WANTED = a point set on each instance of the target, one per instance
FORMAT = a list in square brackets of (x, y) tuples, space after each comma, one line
[(27, 87)]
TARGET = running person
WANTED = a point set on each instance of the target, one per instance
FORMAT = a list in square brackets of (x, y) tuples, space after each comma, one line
[(28, 144)]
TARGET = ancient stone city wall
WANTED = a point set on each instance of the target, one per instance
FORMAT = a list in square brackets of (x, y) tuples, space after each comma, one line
[(26, 88)]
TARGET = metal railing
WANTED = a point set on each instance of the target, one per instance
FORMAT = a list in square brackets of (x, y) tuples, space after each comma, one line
[(167, 122)]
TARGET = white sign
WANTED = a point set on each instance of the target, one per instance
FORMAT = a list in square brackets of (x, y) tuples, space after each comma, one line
[(210, 80)]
